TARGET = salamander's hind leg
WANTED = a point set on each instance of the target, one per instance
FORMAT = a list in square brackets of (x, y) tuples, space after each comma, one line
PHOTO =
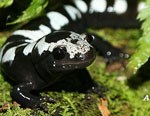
[(22, 94), (109, 52)]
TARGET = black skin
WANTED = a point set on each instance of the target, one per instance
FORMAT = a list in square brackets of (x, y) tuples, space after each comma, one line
[(32, 73)]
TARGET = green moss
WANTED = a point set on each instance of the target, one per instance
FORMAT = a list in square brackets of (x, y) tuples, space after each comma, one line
[(4, 91), (16, 111)]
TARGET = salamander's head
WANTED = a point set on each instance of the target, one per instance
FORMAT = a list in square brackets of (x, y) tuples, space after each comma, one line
[(65, 50)]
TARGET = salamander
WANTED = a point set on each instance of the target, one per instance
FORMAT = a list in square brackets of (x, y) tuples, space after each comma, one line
[(55, 47)]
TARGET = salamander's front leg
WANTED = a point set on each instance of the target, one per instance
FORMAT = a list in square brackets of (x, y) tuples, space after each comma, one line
[(109, 52), (22, 94)]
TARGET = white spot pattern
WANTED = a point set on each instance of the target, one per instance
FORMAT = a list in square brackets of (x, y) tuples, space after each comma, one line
[(98, 6), (46, 30), (34, 34), (120, 6), (110, 9), (10, 53), (42, 45), (28, 49), (2, 50), (81, 5), (73, 12), (57, 20)]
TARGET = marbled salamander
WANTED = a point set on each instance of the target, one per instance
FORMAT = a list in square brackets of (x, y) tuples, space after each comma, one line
[(41, 54)]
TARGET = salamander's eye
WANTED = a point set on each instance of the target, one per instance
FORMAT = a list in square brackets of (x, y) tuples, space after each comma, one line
[(59, 53), (89, 38)]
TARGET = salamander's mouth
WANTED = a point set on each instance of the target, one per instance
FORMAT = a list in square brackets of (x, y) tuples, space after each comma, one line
[(80, 61), (77, 65)]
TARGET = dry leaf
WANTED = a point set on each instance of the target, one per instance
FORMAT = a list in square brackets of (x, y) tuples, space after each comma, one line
[(103, 103)]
